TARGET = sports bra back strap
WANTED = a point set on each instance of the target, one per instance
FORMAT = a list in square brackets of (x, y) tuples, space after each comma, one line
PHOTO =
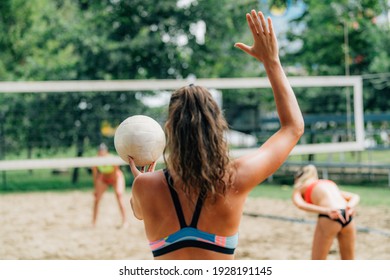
[(175, 198), (198, 209)]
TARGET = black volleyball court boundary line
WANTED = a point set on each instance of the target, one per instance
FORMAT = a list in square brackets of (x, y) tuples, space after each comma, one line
[(303, 221)]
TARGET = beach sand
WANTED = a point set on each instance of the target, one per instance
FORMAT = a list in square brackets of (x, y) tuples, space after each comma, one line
[(57, 225)]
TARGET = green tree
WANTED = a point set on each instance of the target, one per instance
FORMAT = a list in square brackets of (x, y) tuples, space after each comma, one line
[(62, 40), (32, 40), (343, 38), (148, 39)]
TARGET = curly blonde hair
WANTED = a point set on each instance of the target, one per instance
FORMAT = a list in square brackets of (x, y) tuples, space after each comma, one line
[(196, 148)]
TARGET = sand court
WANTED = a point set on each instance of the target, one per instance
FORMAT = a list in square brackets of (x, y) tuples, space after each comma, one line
[(57, 225)]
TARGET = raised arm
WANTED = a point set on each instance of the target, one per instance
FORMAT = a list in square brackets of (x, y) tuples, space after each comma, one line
[(256, 167)]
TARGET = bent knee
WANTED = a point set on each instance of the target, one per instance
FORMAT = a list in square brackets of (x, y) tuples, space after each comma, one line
[(97, 195)]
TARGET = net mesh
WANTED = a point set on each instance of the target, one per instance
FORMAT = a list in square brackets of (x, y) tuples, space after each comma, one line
[(46, 125)]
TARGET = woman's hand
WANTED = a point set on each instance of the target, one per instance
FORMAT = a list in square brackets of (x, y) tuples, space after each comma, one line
[(349, 211), (265, 45), (135, 170), (335, 214)]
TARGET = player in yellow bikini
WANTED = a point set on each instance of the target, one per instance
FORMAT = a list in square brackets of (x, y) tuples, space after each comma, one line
[(103, 177)]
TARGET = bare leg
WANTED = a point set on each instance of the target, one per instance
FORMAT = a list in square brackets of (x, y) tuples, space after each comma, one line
[(119, 190), (325, 232), (100, 188), (347, 238)]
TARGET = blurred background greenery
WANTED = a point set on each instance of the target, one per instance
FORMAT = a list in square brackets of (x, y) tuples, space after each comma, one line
[(44, 40)]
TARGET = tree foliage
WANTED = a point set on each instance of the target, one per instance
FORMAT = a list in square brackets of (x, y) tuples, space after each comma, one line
[(344, 38), (89, 40)]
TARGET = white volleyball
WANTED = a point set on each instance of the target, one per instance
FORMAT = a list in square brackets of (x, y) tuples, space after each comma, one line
[(140, 137)]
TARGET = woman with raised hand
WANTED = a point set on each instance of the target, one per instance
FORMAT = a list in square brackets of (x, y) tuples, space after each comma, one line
[(335, 210), (192, 209)]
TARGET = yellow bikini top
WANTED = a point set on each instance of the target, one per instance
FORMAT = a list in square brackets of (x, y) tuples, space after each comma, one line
[(106, 169)]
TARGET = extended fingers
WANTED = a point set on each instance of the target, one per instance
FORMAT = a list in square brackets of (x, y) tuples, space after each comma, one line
[(263, 23), (152, 166), (336, 214), (256, 22), (341, 217), (265, 45), (251, 25), (270, 26), (259, 22), (133, 168), (347, 216)]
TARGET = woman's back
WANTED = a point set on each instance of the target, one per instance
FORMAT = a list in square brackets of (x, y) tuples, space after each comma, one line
[(220, 216), (326, 193)]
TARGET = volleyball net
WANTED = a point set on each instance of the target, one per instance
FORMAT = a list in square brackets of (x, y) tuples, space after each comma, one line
[(59, 124)]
